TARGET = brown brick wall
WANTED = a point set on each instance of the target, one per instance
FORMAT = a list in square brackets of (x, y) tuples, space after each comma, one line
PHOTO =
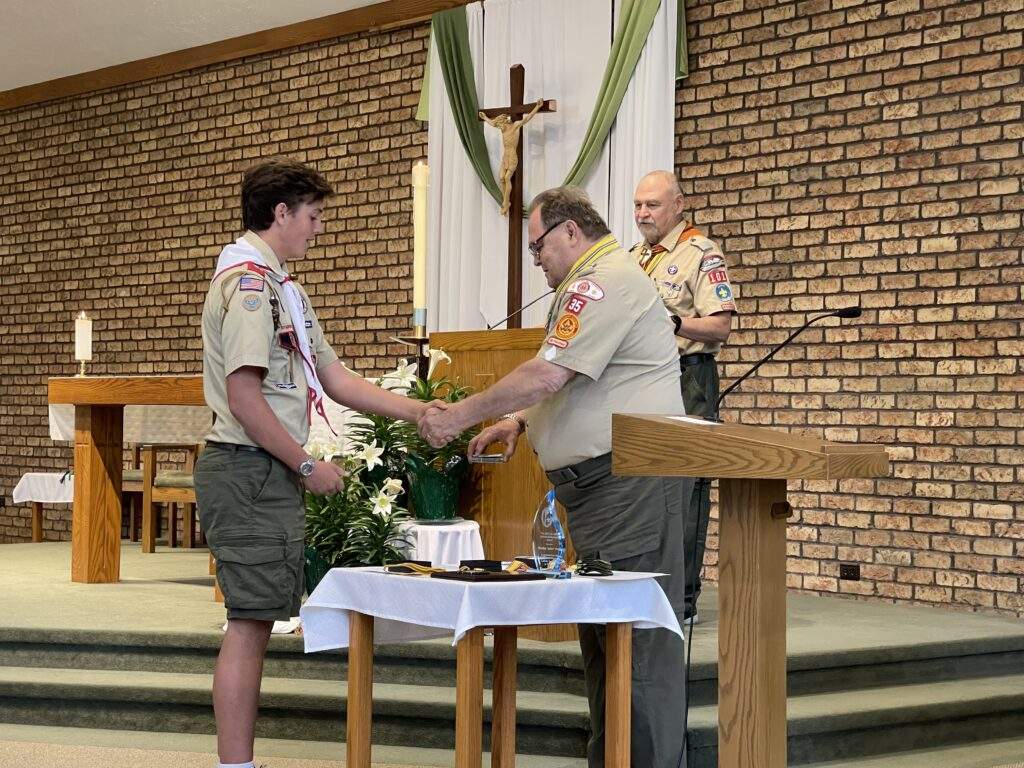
[(870, 152), (118, 203), (840, 151)]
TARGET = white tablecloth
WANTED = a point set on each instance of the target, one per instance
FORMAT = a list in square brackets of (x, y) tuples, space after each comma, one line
[(417, 608), (176, 424), (444, 545), (45, 487)]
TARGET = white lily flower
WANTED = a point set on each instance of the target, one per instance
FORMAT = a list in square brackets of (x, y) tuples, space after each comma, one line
[(370, 454), (401, 378), (392, 487), (332, 448), (315, 449), (436, 356), (382, 503)]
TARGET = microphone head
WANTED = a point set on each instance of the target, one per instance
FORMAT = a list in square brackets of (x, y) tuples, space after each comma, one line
[(847, 312)]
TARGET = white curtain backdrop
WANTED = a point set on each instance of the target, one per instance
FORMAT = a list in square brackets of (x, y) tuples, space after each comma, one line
[(564, 46)]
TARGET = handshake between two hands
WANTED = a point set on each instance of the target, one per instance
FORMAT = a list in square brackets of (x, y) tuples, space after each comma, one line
[(440, 423)]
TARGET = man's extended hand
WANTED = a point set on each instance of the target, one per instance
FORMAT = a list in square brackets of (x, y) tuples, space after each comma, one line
[(504, 431), (439, 424), (326, 479)]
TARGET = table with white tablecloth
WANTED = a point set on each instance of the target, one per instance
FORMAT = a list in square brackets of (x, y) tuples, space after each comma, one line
[(443, 544), (38, 488), (358, 607)]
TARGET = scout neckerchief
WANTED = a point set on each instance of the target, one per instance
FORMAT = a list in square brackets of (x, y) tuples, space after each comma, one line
[(649, 262), (242, 253), (602, 247)]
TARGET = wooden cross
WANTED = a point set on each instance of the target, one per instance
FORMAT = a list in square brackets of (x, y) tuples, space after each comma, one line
[(515, 111)]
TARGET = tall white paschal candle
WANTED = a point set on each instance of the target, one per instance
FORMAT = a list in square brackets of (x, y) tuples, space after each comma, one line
[(420, 173), (83, 337)]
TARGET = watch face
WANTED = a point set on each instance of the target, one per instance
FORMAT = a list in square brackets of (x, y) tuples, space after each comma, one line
[(306, 468)]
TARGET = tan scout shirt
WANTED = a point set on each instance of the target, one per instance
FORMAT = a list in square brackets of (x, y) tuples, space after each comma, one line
[(240, 329), (690, 273), (608, 324)]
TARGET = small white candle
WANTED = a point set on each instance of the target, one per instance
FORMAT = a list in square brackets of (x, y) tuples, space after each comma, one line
[(83, 337), (420, 174)]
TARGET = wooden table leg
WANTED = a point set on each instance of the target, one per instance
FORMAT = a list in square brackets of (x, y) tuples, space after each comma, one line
[(359, 708), (618, 693), (37, 521), (503, 698), (96, 515), (188, 526), (149, 510), (752, 625), (469, 699)]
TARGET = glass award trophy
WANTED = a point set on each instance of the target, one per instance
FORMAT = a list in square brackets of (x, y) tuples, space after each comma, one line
[(549, 538)]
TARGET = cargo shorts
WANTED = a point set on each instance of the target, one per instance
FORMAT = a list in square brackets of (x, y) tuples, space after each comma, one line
[(252, 513)]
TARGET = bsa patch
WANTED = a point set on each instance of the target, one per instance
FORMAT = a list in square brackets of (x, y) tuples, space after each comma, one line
[(723, 292), (308, 323), (718, 276), (252, 303), (575, 304), (670, 285), (556, 342), (672, 269), (251, 283), (709, 263), (567, 327), (587, 288)]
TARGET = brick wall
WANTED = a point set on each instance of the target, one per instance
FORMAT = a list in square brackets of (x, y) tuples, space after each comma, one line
[(118, 203), (842, 152), (870, 152)]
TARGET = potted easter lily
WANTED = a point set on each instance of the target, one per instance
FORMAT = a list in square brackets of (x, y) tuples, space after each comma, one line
[(360, 525)]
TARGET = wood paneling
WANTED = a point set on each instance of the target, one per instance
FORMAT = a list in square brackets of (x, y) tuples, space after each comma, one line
[(368, 18), (127, 390), (96, 515)]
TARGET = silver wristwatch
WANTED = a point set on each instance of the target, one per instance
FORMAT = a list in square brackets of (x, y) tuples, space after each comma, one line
[(306, 467), (517, 419)]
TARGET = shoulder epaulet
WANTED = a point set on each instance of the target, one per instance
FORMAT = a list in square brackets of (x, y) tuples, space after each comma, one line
[(703, 244)]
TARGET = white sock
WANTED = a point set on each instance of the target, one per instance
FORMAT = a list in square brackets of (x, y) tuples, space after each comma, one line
[(250, 764)]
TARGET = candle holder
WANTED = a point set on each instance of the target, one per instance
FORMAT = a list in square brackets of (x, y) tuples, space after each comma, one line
[(419, 339), (81, 368)]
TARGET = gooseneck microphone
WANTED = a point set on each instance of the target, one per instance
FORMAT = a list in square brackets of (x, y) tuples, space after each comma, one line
[(846, 313), (505, 319)]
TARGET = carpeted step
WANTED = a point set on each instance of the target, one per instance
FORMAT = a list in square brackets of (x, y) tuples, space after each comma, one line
[(1000, 753), (883, 720), (409, 715)]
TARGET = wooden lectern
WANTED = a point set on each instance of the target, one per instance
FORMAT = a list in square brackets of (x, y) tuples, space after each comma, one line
[(99, 420), (753, 465)]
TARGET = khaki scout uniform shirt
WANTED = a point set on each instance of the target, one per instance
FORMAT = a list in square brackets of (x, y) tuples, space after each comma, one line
[(690, 273), (608, 324), (242, 320)]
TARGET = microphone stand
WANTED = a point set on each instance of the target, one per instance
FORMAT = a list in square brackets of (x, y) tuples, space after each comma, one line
[(505, 319), (847, 312)]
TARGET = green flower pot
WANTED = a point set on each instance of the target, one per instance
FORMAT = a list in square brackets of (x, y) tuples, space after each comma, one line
[(314, 568), (434, 494)]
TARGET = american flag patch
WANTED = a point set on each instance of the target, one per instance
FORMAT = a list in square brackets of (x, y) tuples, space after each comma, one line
[(250, 283)]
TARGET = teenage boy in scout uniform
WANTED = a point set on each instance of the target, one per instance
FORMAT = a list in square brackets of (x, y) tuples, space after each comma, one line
[(266, 368), (690, 274), (609, 348)]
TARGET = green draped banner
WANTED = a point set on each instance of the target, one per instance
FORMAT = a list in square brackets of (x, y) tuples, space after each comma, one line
[(451, 36)]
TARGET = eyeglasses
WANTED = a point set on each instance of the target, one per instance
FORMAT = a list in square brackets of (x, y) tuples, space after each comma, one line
[(538, 245)]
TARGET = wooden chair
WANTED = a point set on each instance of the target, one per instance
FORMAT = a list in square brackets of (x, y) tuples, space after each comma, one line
[(131, 491), (171, 488)]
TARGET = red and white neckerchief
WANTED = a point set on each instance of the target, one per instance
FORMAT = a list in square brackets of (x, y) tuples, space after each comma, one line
[(242, 253)]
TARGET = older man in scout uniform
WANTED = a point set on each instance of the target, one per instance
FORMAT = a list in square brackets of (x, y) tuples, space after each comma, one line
[(266, 368), (609, 348), (690, 274)]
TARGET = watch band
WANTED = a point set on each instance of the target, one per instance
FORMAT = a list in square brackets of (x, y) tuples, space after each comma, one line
[(517, 419)]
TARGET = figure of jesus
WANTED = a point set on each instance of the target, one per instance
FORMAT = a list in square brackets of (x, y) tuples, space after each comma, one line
[(509, 144)]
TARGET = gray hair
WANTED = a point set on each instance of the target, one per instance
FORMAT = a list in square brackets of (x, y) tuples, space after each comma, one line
[(570, 203)]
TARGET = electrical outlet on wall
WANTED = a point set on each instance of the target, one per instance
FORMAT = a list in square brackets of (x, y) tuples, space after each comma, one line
[(849, 571)]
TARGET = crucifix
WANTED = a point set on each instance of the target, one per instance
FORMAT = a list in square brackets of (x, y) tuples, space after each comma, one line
[(510, 120)]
